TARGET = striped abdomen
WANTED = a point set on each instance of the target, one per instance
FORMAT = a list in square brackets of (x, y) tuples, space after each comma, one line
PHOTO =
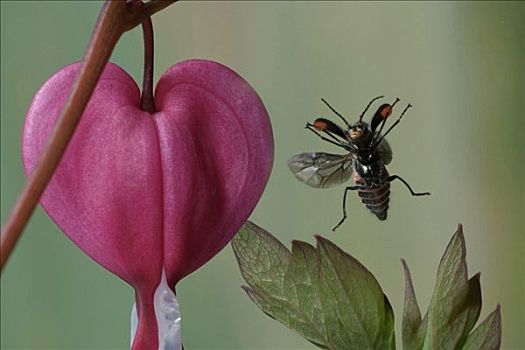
[(376, 197)]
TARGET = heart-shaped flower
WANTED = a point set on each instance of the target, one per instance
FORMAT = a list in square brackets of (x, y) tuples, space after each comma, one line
[(142, 193)]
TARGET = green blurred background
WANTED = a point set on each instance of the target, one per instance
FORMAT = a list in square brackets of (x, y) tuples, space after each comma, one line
[(460, 64)]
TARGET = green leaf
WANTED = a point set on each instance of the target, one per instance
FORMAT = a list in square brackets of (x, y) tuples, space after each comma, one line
[(322, 293), (263, 260), (357, 312), (487, 336), (456, 302), (288, 314), (413, 327), (301, 289), (331, 299), (279, 289), (472, 307)]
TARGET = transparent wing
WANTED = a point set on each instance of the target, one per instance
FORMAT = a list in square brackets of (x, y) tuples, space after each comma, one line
[(385, 152), (321, 170)]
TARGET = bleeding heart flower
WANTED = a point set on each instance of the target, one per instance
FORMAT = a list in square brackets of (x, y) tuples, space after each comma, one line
[(144, 193)]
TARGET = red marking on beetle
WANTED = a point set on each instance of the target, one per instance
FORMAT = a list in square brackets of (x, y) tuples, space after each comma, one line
[(386, 111), (320, 125)]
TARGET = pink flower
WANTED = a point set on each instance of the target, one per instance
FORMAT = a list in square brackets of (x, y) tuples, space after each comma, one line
[(141, 193)]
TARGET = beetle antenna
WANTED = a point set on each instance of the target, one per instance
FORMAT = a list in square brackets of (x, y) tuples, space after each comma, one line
[(336, 112), (393, 125), (369, 104), (384, 119)]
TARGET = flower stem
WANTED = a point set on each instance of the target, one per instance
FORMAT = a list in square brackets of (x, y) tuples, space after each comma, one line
[(116, 17), (146, 335), (147, 100)]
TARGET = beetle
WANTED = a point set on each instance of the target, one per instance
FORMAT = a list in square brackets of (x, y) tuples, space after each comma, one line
[(364, 162)]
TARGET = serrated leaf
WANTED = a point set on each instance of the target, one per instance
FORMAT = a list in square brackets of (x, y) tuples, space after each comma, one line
[(263, 260), (356, 309), (487, 336), (472, 307), (272, 288), (413, 327), (456, 302), (325, 295), (284, 312), (301, 288)]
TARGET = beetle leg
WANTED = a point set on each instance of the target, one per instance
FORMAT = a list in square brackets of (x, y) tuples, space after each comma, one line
[(349, 188), (393, 177)]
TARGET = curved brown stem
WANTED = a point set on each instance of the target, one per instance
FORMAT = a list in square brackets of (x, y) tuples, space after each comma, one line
[(116, 17), (147, 101)]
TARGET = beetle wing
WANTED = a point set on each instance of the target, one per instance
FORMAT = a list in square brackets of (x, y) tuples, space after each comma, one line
[(385, 152), (321, 170)]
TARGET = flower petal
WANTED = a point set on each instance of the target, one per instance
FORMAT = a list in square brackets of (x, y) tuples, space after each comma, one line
[(105, 193), (217, 154)]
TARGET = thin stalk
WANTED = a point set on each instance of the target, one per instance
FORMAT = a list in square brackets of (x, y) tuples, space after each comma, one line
[(147, 99)]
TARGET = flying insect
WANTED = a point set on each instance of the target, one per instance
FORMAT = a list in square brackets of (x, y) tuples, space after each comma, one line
[(367, 153)]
